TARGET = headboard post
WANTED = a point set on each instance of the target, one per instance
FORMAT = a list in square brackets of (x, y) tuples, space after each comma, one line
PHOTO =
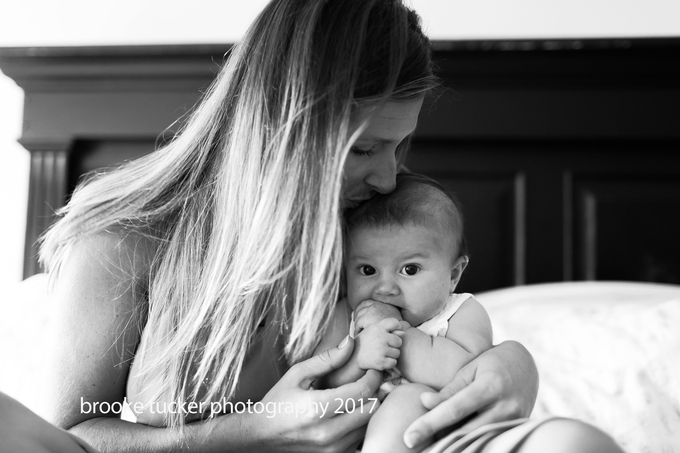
[(46, 194)]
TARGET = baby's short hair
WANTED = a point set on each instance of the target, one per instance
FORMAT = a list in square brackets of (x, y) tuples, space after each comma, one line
[(417, 200)]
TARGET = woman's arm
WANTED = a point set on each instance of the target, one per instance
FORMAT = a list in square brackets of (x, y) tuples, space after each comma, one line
[(93, 344), (94, 334), (316, 425), (500, 384)]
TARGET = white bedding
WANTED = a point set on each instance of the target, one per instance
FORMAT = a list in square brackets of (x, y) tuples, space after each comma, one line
[(608, 353)]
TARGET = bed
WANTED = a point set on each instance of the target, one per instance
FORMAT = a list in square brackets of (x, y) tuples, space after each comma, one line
[(550, 146), (607, 352)]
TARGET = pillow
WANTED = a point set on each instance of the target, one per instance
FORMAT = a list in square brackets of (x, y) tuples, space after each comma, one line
[(607, 353), (23, 326)]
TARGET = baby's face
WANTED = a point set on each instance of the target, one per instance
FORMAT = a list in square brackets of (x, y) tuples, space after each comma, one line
[(410, 267)]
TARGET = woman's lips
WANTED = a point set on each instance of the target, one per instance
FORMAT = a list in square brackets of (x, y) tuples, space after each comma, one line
[(353, 203)]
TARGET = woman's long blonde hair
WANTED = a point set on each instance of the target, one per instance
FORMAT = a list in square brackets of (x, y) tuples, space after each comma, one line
[(243, 205)]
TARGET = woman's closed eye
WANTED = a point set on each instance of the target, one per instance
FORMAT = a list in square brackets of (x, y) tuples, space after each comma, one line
[(362, 151), (410, 269)]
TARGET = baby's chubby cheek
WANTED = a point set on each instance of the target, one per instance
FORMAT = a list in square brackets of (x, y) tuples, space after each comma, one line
[(356, 293), (425, 304), (413, 319)]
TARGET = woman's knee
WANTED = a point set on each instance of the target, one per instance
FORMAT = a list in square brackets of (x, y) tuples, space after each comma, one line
[(567, 435)]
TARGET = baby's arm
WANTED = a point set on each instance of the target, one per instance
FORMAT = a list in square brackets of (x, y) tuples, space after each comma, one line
[(375, 347), (435, 361)]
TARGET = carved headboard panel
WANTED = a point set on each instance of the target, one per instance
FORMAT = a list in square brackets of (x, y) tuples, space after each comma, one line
[(564, 153)]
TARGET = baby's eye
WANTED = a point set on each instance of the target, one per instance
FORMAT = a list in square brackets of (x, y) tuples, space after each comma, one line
[(410, 269), (366, 270)]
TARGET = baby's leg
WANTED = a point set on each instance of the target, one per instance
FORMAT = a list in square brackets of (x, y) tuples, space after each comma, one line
[(385, 431)]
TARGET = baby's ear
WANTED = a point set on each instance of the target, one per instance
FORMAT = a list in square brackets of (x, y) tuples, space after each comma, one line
[(457, 271)]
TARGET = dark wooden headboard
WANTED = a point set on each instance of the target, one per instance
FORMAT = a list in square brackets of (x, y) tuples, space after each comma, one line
[(564, 153)]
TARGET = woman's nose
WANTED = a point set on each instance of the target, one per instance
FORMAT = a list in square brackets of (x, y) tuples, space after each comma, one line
[(383, 177)]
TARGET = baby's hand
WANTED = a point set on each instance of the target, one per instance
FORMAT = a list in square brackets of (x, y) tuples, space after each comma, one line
[(371, 312), (377, 347)]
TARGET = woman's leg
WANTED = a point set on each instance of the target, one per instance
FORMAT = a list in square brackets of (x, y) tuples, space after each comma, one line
[(561, 436), (23, 431), (385, 431)]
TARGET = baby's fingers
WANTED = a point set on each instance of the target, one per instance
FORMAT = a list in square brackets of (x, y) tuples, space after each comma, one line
[(390, 324), (394, 341), (386, 363), (392, 352)]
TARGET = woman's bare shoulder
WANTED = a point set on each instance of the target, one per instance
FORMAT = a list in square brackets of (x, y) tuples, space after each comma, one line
[(120, 252), (110, 264)]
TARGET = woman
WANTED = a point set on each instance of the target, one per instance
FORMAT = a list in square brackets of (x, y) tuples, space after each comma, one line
[(225, 245)]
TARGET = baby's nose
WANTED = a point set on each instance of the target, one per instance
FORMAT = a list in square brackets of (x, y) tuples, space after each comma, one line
[(387, 287)]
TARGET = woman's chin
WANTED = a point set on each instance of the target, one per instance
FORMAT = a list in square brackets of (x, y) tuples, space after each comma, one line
[(349, 204)]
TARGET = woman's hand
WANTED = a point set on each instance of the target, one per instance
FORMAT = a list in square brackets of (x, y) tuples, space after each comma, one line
[(500, 384), (316, 424)]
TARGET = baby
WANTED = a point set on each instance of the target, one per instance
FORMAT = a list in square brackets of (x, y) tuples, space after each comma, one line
[(404, 257)]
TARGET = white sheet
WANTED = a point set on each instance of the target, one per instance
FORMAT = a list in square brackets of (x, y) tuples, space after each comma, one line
[(607, 353)]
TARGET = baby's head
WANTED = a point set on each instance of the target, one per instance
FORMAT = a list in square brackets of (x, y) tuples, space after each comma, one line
[(406, 248)]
